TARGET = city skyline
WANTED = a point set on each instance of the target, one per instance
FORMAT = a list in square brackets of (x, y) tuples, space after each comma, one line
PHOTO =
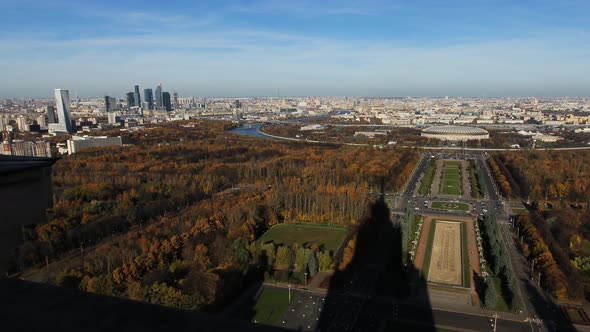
[(252, 48)]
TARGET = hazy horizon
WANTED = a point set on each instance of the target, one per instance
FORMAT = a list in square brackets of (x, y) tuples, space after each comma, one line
[(305, 48), (73, 94)]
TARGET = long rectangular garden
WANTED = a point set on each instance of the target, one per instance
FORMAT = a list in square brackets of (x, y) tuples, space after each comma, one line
[(330, 237), (451, 178)]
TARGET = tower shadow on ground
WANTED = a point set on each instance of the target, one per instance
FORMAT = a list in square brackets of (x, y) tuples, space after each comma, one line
[(367, 294)]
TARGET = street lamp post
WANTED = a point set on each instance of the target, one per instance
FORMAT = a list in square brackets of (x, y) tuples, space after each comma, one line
[(305, 273), (289, 293)]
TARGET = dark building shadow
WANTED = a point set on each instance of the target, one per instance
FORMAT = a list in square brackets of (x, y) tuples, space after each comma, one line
[(29, 306), (549, 313), (244, 306), (25, 194), (367, 294)]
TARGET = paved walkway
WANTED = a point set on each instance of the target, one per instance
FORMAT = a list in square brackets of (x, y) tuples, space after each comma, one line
[(465, 179), (422, 244), (437, 177), (315, 282), (473, 258)]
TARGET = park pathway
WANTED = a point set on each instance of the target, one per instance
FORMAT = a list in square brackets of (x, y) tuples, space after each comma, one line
[(316, 282), (465, 179), (422, 244), (474, 267), (437, 177)]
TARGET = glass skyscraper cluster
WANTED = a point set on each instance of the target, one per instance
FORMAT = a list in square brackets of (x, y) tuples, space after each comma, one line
[(158, 100)]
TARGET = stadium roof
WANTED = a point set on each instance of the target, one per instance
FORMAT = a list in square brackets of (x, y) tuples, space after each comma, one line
[(455, 130)]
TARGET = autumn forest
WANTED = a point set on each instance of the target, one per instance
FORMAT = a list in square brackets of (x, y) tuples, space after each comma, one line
[(175, 217)]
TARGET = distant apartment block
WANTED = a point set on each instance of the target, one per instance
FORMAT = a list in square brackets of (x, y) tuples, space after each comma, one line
[(26, 148), (371, 134), (77, 143), (22, 123), (42, 121), (313, 127)]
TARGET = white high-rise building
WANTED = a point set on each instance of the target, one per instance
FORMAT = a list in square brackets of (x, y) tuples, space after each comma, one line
[(22, 123), (64, 118), (41, 121)]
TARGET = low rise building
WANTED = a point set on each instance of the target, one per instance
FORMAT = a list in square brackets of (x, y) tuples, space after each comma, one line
[(77, 143), (26, 148)]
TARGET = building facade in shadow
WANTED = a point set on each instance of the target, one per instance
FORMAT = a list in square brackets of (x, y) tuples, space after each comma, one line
[(25, 195)]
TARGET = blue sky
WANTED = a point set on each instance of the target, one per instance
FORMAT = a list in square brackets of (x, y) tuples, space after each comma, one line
[(251, 48)]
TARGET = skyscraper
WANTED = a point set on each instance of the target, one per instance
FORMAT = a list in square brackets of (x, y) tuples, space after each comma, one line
[(106, 103), (148, 97), (110, 103), (159, 95), (130, 100), (175, 100), (64, 118), (137, 96), (166, 101)]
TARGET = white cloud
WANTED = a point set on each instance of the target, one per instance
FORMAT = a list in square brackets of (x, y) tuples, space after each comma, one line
[(314, 9)]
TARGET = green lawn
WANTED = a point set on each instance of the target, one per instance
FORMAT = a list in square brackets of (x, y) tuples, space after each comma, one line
[(428, 254), (465, 254), (451, 178), (517, 207), (451, 190), (501, 304), (427, 179), (329, 236), (574, 315), (450, 206), (270, 305), (452, 163)]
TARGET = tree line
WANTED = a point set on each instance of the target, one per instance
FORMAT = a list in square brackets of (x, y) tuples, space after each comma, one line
[(557, 274), (497, 258), (556, 176)]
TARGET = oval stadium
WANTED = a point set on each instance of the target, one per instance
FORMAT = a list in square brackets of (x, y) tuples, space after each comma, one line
[(455, 133)]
